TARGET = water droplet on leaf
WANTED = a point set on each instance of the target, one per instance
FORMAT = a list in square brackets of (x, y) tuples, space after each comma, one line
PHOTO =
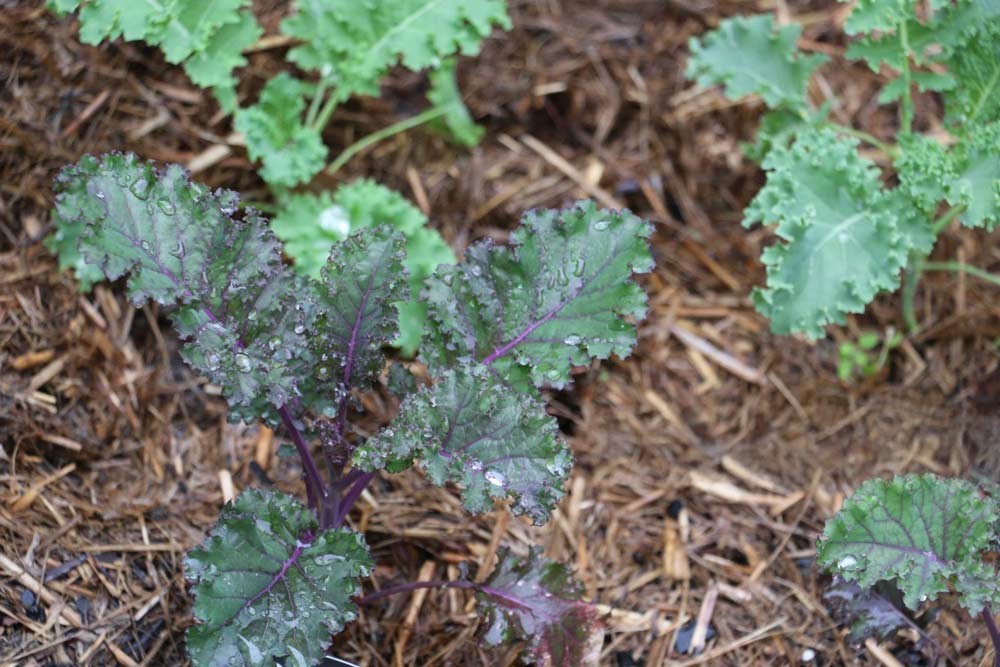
[(495, 478), (243, 363), (166, 206)]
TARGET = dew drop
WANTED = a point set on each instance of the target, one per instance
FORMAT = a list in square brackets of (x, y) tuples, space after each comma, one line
[(476, 271), (166, 206), (572, 340), (601, 225), (847, 562), (300, 329), (243, 363), (140, 188), (495, 478), (553, 374), (145, 245), (99, 194)]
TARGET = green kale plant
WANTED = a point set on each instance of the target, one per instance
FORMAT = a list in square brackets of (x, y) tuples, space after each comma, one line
[(347, 48), (277, 577), (923, 534), (844, 234)]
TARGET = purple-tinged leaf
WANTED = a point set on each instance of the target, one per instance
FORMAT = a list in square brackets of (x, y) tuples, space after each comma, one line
[(537, 601), (269, 584), (474, 430), (924, 533), (239, 307), (558, 298)]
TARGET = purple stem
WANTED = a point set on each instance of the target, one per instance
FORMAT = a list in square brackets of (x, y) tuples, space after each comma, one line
[(314, 483), (991, 625), (351, 497), (502, 597)]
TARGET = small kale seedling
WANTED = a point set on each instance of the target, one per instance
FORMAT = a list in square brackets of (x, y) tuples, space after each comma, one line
[(861, 359), (844, 236), (925, 535), (276, 577)]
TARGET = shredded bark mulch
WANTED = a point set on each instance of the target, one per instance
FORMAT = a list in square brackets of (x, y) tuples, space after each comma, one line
[(706, 463)]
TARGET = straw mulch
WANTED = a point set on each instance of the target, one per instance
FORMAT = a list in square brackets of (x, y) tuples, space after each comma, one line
[(706, 463)]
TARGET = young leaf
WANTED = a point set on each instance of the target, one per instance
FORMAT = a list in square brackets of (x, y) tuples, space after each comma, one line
[(180, 245), (309, 224), (291, 153), (269, 585), (751, 55), (444, 95), (473, 430), (537, 601), (355, 46), (840, 242), (925, 533), (557, 299), (355, 309), (976, 185), (868, 613)]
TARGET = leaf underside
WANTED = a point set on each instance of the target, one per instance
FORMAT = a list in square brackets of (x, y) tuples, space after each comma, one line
[(557, 297), (868, 613), (471, 429), (268, 584), (536, 600), (922, 532)]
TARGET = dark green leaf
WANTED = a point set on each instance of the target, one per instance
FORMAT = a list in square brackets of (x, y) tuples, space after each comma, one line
[(471, 429), (179, 244), (922, 532), (558, 298), (269, 585)]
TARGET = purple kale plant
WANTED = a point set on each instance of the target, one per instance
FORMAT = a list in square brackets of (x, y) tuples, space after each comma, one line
[(275, 578)]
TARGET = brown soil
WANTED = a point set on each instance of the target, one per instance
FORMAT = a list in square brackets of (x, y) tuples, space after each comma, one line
[(706, 463)]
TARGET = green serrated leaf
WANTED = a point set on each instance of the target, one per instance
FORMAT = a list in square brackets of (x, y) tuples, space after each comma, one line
[(883, 15), (212, 66), (976, 68), (355, 310), (471, 429), (535, 600), (840, 241), (179, 244), (310, 224), (922, 532), (356, 44), (752, 55), (269, 585), (976, 185), (290, 152), (444, 95), (207, 36), (192, 24), (558, 298)]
